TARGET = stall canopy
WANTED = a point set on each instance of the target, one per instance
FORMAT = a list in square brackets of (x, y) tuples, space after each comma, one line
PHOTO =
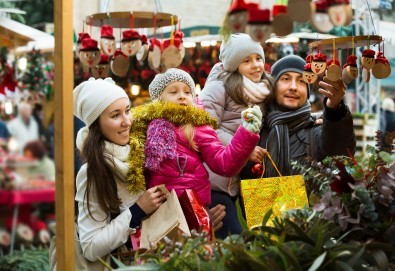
[(23, 37)]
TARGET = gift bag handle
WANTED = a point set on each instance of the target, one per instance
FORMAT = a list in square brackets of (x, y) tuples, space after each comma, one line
[(274, 164)]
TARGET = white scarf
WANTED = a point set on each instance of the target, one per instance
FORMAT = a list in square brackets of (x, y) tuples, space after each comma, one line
[(256, 92), (115, 154)]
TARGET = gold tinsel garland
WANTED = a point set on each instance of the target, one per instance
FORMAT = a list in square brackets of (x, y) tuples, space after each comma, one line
[(142, 116)]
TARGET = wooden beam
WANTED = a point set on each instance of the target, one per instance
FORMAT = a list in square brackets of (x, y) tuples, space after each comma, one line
[(64, 145)]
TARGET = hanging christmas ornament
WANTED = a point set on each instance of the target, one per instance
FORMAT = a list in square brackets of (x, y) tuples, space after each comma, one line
[(308, 75), (131, 42), (282, 24), (102, 69), (382, 68), (258, 169), (171, 55), (107, 40), (350, 69), (339, 12), (333, 70), (237, 16), (309, 58), (154, 54), (318, 64), (259, 26), (299, 10), (367, 59), (319, 17), (180, 35), (119, 64), (81, 36), (89, 54), (143, 51)]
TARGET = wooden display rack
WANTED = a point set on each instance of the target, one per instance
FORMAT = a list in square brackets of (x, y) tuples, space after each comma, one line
[(346, 42), (132, 19)]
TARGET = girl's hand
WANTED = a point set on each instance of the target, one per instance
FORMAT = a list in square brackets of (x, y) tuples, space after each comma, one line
[(217, 214), (251, 119), (257, 154), (150, 201)]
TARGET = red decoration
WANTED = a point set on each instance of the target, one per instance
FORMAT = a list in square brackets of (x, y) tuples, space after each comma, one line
[(257, 170), (237, 6), (106, 32)]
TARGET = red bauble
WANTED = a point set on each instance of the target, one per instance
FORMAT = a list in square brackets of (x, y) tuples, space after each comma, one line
[(257, 170)]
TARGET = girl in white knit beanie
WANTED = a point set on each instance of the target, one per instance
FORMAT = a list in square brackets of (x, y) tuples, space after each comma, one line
[(237, 82), (108, 210)]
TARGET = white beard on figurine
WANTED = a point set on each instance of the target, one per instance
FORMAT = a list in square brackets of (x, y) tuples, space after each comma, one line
[(107, 40), (131, 42)]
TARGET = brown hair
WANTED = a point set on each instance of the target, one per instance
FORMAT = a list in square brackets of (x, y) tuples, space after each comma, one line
[(100, 175), (233, 83), (37, 149)]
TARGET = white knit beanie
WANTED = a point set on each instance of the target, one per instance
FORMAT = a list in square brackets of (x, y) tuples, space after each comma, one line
[(238, 47), (92, 97), (162, 80)]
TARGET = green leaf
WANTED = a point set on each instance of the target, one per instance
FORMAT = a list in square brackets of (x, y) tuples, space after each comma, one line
[(266, 217), (118, 262), (301, 234), (240, 216), (356, 257), (387, 158), (318, 262), (344, 266)]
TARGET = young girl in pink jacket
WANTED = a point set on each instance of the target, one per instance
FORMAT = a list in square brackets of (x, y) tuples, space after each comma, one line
[(181, 136)]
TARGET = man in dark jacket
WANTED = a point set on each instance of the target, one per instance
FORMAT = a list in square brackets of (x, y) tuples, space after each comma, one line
[(289, 132)]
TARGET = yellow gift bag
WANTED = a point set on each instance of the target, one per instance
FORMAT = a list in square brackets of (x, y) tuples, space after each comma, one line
[(279, 193)]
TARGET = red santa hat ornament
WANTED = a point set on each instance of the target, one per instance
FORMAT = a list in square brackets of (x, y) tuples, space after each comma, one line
[(259, 25), (131, 42), (382, 68), (319, 17), (282, 22), (318, 63), (237, 16), (119, 63), (102, 69), (81, 36), (367, 59), (308, 75), (89, 54), (143, 51), (107, 40), (350, 69), (333, 70)]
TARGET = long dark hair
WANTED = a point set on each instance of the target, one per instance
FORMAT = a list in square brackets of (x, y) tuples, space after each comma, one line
[(100, 175), (233, 83)]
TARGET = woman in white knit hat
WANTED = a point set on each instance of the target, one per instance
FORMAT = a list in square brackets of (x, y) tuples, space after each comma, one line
[(237, 82), (107, 210)]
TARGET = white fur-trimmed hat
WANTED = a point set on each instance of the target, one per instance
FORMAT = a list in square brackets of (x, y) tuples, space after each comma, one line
[(162, 80), (239, 46), (93, 96)]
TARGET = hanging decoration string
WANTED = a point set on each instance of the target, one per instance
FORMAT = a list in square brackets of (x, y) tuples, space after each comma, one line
[(108, 18), (352, 46), (90, 25), (334, 51), (172, 31), (371, 17), (83, 26), (131, 20)]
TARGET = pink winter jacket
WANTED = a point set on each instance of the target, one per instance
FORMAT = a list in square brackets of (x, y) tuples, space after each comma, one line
[(179, 167)]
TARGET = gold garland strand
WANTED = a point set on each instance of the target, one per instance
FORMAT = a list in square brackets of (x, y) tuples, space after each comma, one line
[(142, 116)]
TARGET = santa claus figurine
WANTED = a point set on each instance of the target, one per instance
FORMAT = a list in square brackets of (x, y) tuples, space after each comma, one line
[(350, 69), (89, 54), (367, 59), (237, 16), (308, 75), (102, 69), (318, 64), (259, 25), (333, 71), (81, 36), (131, 42), (107, 40)]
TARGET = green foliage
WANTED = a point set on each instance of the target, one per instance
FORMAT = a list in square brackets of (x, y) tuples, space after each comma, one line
[(28, 260), (36, 16)]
